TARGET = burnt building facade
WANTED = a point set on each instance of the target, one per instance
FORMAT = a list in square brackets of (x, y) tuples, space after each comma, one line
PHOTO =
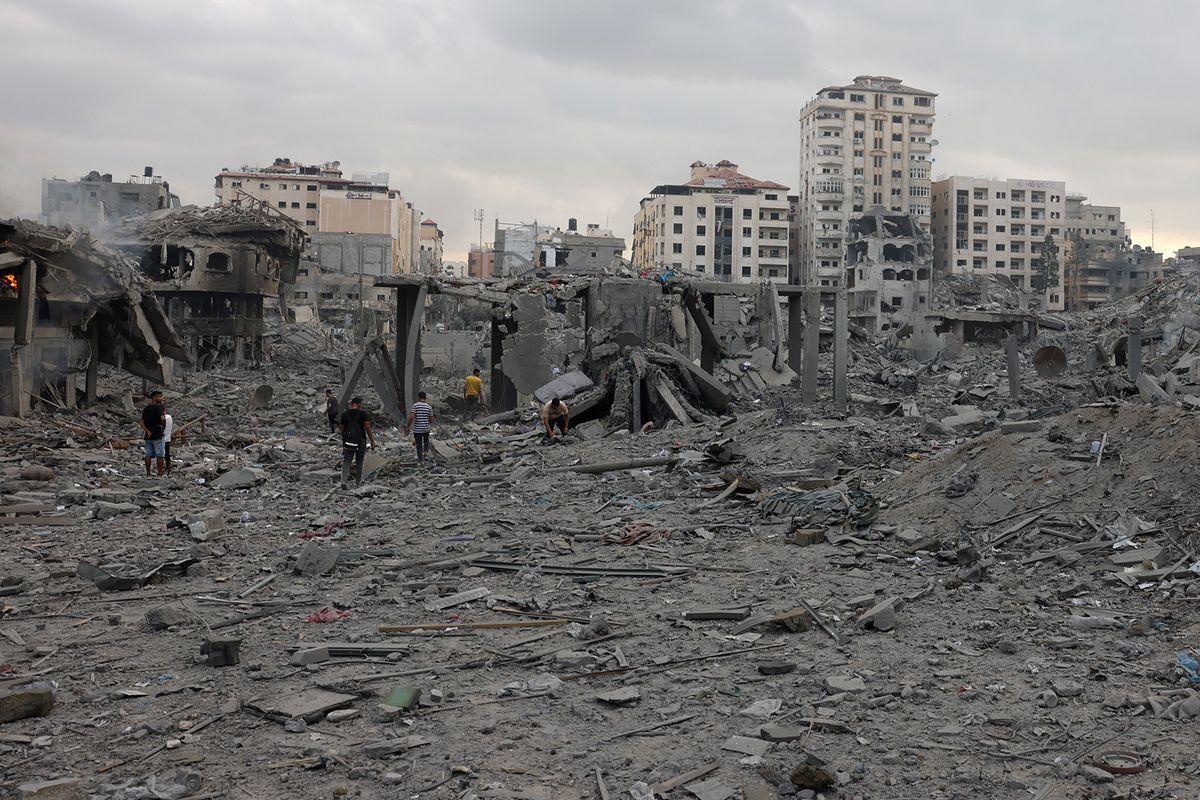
[(68, 305), (214, 269)]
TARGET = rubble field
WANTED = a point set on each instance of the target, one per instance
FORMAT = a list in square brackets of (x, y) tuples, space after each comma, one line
[(944, 593)]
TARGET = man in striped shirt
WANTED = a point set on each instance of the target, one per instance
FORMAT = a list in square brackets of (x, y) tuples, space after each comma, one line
[(420, 422)]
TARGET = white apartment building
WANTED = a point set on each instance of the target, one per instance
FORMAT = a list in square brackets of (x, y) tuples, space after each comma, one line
[(983, 226), (863, 145), (720, 223)]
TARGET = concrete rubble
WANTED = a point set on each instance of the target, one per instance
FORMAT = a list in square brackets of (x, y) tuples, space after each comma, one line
[(716, 589)]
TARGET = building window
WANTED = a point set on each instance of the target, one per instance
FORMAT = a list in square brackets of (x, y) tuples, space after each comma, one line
[(679, 211), (312, 223), (897, 118), (999, 265), (283, 186), (699, 268), (677, 247), (264, 186), (745, 271), (236, 184), (858, 98), (701, 212), (747, 213), (217, 262), (701, 230), (772, 197), (312, 187), (747, 233), (677, 228), (310, 205), (860, 116), (283, 204), (921, 101), (295, 205), (746, 252), (699, 249)]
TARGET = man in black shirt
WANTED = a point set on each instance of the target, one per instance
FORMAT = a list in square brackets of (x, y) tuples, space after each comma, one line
[(356, 431), (331, 410), (153, 423)]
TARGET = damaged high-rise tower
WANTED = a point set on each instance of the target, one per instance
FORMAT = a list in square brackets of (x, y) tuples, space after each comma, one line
[(888, 272)]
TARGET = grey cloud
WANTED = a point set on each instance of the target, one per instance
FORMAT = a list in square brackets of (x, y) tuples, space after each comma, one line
[(532, 108)]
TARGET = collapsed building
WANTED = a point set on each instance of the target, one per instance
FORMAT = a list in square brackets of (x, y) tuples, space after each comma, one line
[(67, 305), (214, 269), (624, 348)]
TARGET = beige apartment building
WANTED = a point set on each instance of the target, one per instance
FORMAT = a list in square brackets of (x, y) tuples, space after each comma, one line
[(983, 226), (721, 224), (866, 145), (290, 188), (431, 248), (333, 209)]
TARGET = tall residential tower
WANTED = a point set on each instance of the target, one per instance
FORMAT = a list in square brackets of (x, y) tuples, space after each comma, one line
[(862, 146)]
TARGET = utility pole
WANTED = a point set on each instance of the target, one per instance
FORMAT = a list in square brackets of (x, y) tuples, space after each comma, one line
[(479, 219), (1152, 229)]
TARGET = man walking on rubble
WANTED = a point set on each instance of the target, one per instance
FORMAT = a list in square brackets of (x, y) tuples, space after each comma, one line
[(153, 423), (472, 394), (420, 422), (556, 415), (356, 432), (331, 410)]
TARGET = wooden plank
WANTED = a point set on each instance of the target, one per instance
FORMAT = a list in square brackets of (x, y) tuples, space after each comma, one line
[(442, 603)]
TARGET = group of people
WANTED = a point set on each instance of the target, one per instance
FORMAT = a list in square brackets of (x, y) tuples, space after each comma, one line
[(354, 425)]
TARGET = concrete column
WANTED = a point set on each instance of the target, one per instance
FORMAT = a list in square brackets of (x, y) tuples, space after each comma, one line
[(795, 331), (23, 335), (1133, 349), (93, 368), (26, 300), (812, 344), (841, 347), (1012, 349), (410, 310)]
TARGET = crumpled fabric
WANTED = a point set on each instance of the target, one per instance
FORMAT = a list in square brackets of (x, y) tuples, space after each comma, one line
[(542, 684), (822, 506), (327, 614), (1172, 703)]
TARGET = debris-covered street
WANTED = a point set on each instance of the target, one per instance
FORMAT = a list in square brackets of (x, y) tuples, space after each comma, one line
[(709, 587)]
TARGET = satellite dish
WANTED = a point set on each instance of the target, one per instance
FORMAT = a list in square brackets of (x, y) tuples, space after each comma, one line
[(934, 142)]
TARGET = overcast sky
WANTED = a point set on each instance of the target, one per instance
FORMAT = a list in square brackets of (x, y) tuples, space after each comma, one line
[(551, 109)]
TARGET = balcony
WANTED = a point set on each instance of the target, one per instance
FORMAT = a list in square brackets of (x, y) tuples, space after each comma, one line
[(829, 190)]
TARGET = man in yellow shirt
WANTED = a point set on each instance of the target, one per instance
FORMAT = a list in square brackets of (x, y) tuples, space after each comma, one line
[(472, 393)]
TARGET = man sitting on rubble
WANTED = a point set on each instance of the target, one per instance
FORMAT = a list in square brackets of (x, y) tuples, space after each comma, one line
[(420, 422), (153, 423), (556, 415), (472, 394), (356, 431)]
